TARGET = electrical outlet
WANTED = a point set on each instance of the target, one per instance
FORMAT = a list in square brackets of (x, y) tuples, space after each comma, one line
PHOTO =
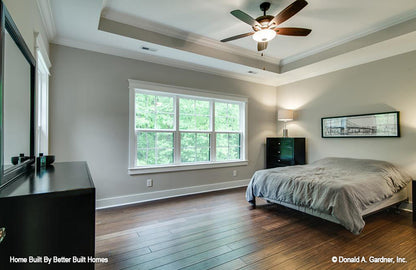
[(149, 182), (235, 173)]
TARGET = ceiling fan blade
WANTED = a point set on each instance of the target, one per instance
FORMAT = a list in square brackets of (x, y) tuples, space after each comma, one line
[(292, 31), (261, 46), (288, 12), (237, 37), (242, 16)]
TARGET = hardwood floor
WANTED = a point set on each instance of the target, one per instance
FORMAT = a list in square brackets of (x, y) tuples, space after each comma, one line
[(218, 230)]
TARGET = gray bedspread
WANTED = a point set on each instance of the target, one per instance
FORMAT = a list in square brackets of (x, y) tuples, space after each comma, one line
[(341, 187)]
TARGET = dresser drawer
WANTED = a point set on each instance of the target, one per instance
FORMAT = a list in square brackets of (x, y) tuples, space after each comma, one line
[(284, 152)]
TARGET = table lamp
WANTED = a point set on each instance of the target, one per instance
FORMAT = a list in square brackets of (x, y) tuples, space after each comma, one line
[(284, 116)]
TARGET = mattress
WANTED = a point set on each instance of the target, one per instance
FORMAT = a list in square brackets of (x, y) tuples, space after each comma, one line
[(342, 188)]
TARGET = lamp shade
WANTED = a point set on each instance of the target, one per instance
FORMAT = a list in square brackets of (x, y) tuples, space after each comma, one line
[(284, 115)]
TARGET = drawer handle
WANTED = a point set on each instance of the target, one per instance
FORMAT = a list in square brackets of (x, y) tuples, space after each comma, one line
[(2, 234)]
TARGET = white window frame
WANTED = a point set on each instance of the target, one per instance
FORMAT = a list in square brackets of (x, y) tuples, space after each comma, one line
[(143, 86), (43, 65)]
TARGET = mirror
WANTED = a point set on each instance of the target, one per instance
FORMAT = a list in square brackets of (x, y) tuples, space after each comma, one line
[(16, 106), (17, 84)]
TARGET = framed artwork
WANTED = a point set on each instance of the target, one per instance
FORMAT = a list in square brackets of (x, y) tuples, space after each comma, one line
[(380, 125)]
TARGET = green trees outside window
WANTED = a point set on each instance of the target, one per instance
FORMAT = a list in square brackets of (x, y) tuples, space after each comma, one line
[(191, 125)]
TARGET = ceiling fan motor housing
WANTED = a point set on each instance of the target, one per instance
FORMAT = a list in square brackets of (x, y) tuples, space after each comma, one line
[(264, 22), (265, 7)]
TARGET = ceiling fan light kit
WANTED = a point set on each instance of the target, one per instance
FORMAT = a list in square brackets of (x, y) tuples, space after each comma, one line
[(264, 35), (265, 27)]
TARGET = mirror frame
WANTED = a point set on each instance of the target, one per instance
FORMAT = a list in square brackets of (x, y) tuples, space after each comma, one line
[(7, 23)]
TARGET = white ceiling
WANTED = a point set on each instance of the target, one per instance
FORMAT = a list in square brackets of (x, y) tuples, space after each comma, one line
[(198, 25)]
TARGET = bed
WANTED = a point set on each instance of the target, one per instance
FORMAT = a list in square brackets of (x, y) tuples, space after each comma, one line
[(341, 190)]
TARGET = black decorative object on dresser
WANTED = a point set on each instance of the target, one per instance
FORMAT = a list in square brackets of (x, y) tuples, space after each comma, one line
[(282, 152), (50, 212)]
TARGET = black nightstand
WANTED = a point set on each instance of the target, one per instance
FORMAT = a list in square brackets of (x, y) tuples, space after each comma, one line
[(414, 199), (282, 152)]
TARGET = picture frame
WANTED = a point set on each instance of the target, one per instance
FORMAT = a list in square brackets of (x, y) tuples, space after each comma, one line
[(372, 125)]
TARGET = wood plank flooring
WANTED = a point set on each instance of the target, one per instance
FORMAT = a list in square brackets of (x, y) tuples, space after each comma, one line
[(219, 230)]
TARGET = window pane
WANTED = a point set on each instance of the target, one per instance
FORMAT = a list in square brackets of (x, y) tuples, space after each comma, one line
[(141, 157), (188, 140), (151, 139), (141, 141), (234, 153), (202, 154), (222, 140), (233, 124), (227, 116), (202, 140), (186, 106), (222, 154), (187, 155), (221, 123), (195, 147), (194, 114), (164, 140), (164, 156), (202, 107), (228, 146), (154, 112), (145, 120), (187, 122), (234, 110), (234, 139), (202, 123), (164, 104), (220, 109), (164, 121), (151, 154), (154, 148)]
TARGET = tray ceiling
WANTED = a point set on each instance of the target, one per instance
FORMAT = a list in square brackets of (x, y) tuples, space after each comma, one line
[(186, 34)]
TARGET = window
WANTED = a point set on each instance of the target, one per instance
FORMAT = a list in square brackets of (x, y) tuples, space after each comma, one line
[(173, 128), (42, 93)]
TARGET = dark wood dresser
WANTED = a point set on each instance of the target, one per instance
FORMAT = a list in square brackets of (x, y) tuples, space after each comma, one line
[(282, 152), (49, 213)]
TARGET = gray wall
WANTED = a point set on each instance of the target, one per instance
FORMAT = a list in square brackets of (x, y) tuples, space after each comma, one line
[(384, 85), (89, 118), (25, 14)]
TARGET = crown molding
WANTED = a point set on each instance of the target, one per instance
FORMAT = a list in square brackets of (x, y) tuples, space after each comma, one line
[(254, 78), (170, 31), (387, 24), (45, 11), (140, 34), (41, 48)]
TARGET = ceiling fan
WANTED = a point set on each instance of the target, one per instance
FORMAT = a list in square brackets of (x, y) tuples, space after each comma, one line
[(265, 27)]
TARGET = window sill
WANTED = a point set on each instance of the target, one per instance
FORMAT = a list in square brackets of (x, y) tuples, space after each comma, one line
[(186, 167)]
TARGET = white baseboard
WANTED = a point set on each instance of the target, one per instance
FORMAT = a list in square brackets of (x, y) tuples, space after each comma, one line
[(170, 193)]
